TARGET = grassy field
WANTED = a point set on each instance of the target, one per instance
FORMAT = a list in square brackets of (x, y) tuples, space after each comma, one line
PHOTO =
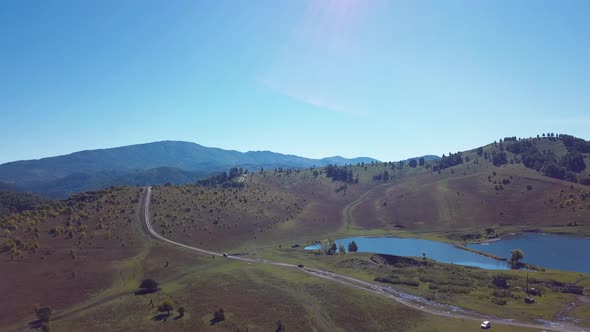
[(467, 287), (303, 303)]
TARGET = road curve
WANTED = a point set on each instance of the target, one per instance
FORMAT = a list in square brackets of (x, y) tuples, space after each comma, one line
[(406, 299)]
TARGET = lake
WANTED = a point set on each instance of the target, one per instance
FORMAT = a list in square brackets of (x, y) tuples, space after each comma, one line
[(439, 251), (559, 252)]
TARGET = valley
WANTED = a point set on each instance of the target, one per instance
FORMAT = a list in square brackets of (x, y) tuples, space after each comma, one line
[(85, 256)]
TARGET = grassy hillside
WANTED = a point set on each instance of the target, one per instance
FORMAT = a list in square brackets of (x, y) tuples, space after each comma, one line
[(477, 193), (462, 193), (15, 202), (65, 252), (270, 205), (85, 181)]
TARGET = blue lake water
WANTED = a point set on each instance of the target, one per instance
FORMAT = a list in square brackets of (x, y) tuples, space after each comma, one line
[(439, 251), (551, 251)]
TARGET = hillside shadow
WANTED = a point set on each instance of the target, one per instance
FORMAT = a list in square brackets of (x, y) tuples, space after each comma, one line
[(161, 317), (145, 291)]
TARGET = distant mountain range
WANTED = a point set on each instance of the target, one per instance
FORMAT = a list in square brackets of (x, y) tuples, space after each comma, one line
[(151, 163)]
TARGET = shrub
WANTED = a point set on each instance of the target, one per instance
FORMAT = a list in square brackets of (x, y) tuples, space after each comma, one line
[(149, 284), (219, 315), (43, 314), (499, 301), (166, 306), (396, 281), (501, 281)]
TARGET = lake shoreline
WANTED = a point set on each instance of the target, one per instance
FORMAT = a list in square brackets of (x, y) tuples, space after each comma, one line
[(492, 256)]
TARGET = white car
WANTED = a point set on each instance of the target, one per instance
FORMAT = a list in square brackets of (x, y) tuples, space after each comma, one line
[(486, 324)]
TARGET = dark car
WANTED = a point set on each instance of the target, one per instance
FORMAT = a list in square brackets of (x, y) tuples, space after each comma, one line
[(300, 265)]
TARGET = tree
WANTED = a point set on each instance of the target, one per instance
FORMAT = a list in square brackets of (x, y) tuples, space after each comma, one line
[(479, 151), (385, 176), (181, 312), (421, 161), (517, 255), (499, 159), (413, 163), (166, 306), (341, 248), (43, 314), (352, 247), (219, 315), (148, 285), (333, 247), (280, 326), (573, 161)]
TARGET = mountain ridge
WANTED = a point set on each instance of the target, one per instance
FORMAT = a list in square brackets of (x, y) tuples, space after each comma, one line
[(183, 161)]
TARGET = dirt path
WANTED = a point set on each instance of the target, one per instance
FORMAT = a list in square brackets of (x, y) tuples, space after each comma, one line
[(346, 214), (406, 299)]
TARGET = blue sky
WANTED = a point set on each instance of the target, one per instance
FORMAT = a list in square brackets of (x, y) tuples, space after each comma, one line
[(386, 79)]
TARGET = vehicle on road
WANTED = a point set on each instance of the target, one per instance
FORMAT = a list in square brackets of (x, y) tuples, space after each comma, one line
[(300, 265), (225, 254), (486, 324)]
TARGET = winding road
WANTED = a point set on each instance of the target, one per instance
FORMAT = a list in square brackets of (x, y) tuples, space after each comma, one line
[(406, 299)]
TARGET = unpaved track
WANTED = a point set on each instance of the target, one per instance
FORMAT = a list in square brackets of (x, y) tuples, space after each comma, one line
[(346, 214), (406, 299)]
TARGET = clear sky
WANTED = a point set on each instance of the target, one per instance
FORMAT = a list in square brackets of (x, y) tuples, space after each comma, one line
[(385, 79)]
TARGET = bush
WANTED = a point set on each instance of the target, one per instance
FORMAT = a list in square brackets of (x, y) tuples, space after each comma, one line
[(149, 284), (499, 301), (166, 306), (396, 281), (43, 314), (219, 315), (501, 281)]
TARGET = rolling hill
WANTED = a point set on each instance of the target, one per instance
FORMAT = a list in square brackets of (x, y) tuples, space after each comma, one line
[(151, 163), (455, 198)]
